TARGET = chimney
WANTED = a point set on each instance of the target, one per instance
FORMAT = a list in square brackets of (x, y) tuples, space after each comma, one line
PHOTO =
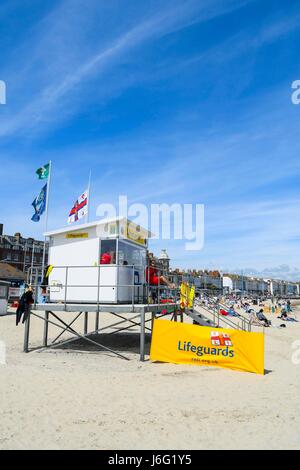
[(1, 230)]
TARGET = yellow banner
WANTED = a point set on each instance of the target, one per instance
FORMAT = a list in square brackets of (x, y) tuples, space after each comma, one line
[(77, 235), (187, 295), (182, 343)]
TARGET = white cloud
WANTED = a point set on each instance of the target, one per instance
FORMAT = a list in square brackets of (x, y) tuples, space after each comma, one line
[(50, 82)]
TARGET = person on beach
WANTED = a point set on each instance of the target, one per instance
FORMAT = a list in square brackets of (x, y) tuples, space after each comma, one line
[(105, 258), (249, 310), (108, 257), (153, 277), (232, 312), (25, 303), (262, 318), (285, 316), (155, 280)]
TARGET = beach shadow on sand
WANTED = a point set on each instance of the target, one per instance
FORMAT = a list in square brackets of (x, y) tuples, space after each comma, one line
[(120, 342)]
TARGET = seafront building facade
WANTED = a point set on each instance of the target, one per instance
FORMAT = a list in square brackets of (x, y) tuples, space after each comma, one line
[(20, 252), (23, 253), (214, 281), (284, 288), (236, 283)]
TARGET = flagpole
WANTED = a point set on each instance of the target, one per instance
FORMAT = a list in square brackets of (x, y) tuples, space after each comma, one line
[(46, 216), (89, 197), (32, 262)]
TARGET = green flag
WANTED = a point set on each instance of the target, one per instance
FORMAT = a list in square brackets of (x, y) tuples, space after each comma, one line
[(43, 172)]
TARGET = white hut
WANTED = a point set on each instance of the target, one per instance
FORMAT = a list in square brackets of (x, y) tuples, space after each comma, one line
[(99, 262)]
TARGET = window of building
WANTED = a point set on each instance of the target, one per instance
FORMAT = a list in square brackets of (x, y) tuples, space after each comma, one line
[(130, 255), (3, 292), (108, 252)]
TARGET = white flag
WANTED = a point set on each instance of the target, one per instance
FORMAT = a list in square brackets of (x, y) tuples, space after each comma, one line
[(80, 208)]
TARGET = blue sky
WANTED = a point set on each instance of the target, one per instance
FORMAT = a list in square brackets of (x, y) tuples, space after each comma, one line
[(167, 102)]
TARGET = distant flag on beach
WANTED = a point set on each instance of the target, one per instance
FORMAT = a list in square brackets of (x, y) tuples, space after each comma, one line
[(39, 204), (80, 208), (43, 172)]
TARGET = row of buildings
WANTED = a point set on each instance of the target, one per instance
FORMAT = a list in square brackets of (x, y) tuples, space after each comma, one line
[(230, 283), (253, 285), (17, 256), (19, 251)]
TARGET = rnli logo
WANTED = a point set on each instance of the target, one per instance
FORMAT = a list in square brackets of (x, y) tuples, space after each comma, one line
[(220, 339)]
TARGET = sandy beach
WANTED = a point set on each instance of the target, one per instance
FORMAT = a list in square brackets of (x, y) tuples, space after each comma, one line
[(80, 398)]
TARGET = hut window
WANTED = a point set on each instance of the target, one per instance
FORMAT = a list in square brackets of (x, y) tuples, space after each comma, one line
[(108, 252)]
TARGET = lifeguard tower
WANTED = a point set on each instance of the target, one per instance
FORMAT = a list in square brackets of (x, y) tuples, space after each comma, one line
[(98, 268), (98, 263)]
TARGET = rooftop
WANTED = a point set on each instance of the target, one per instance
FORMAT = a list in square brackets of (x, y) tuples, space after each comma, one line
[(8, 272), (76, 228)]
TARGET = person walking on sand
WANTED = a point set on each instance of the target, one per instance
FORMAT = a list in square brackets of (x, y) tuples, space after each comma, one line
[(25, 303)]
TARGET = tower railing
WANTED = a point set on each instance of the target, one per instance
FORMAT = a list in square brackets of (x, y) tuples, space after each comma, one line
[(140, 288)]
